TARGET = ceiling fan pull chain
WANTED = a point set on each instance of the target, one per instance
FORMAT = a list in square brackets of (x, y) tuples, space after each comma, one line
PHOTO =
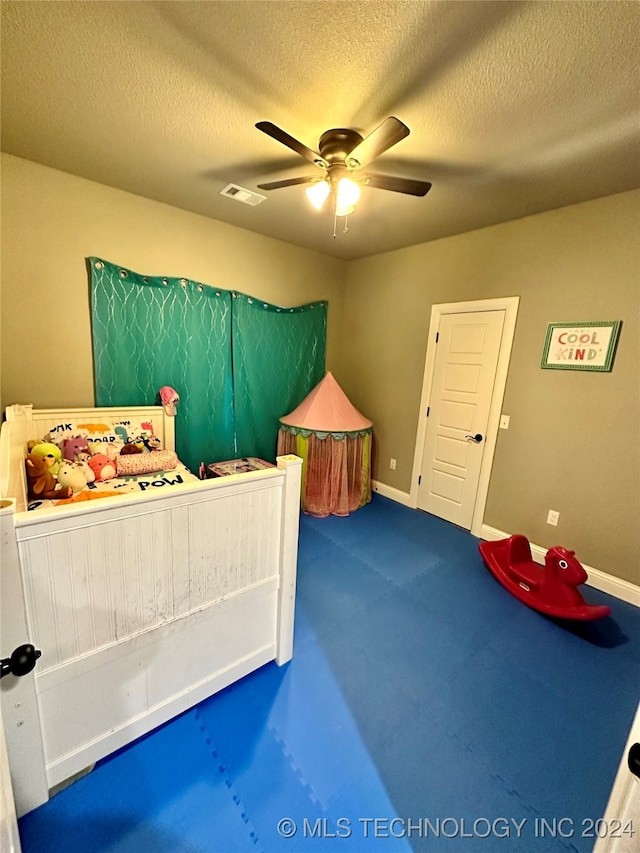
[(335, 224), (346, 224)]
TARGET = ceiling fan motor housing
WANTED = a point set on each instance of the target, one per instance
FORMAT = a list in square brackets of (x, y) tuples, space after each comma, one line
[(336, 145)]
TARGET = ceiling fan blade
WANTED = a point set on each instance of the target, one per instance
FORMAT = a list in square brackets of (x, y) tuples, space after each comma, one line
[(286, 139), (409, 186), (391, 130), (288, 182)]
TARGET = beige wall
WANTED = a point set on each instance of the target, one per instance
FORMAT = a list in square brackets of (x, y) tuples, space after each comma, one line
[(52, 221), (573, 443)]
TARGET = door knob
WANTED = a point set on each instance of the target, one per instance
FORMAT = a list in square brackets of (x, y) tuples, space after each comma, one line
[(633, 759), (22, 660), (477, 437)]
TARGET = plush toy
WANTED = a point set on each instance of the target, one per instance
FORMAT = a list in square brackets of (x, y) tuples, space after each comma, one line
[(107, 448), (73, 446), (169, 398), (130, 447), (41, 482), (51, 454), (82, 459), (102, 467), (134, 464), (152, 443), (71, 474)]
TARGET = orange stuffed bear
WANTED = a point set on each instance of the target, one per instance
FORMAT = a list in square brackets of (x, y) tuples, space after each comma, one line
[(41, 483)]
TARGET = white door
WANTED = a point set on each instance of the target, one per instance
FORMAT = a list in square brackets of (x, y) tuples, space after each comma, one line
[(464, 373)]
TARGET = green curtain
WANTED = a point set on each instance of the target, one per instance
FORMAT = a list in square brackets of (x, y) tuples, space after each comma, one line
[(278, 357), (235, 377), (144, 330)]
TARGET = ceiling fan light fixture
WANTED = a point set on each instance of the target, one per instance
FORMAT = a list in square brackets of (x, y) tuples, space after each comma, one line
[(344, 209), (317, 193), (347, 195)]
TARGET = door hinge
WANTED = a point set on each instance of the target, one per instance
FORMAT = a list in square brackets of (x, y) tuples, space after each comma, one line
[(428, 410), (419, 479), (437, 336)]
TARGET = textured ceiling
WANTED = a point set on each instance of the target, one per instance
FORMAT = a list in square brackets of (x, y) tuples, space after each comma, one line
[(514, 107)]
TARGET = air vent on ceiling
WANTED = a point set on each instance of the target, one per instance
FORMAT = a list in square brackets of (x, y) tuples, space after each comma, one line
[(241, 194)]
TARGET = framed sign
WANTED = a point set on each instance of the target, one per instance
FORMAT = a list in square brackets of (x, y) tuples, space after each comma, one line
[(581, 346)]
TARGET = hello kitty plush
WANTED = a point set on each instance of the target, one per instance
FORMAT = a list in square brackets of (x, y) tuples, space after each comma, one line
[(169, 398)]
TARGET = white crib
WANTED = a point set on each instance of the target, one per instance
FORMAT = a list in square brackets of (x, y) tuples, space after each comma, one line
[(142, 605)]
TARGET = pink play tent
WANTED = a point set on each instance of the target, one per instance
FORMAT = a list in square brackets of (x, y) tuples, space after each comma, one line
[(334, 441)]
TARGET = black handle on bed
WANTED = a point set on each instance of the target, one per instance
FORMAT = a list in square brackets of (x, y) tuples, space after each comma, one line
[(633, 759), (22, 661)]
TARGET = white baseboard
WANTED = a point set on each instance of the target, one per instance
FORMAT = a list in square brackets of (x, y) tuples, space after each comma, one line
[(619, 588), (394, 494)]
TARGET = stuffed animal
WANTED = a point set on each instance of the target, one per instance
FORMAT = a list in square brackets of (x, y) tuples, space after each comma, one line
[(102, 467), (152, 442), (108, 448), (130, 447), (82, 459), (51, 453), (41, 482), (169, 398), (73, 446), (71, 474)]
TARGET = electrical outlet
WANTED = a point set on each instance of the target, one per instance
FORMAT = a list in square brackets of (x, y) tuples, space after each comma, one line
[(392, 464), (504, 421), (553, 517)]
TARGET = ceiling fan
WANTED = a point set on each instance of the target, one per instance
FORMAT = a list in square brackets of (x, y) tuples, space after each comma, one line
[(342, 155)]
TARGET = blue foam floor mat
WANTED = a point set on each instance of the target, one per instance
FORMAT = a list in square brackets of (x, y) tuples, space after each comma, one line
[(424, 708)]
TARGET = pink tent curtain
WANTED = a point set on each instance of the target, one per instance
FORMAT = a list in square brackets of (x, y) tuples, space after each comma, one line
[(337, 476)]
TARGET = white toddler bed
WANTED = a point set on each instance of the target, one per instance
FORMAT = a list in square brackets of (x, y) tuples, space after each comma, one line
[(142, 604)]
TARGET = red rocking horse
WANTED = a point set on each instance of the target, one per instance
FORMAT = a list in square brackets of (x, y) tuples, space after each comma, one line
[(550, 589)]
